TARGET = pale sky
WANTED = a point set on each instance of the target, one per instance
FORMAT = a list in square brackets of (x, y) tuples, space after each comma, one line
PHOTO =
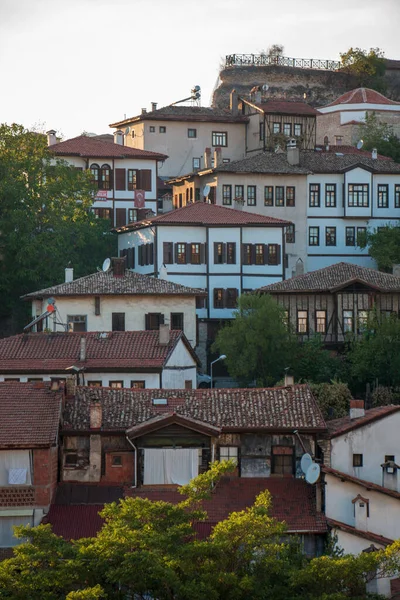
[(79, 65)]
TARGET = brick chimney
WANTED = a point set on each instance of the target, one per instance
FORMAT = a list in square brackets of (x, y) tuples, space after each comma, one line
[(144, 111), (118, 266), (234, 103), (154, 106), (95, 415), (217, 157), (51, 137), (164, 335), (357, 409), (207, 158)]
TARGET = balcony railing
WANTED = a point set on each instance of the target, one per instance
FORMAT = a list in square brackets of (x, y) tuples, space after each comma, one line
[(262, 60)]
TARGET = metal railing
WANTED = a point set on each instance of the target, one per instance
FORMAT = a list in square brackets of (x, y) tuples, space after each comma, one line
[(261, 60)]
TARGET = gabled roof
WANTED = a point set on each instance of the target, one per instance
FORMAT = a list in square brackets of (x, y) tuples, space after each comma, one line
[(367, 535), (185, 113), (335, 276), (105, 284), (207, 215), (343, 425), (111, 351), (342, 149), (253, 409), (89, 147), (285, 107), (29, 415), (293, 501), (368, 485), (362, 96), (311, 161), (169, 418)]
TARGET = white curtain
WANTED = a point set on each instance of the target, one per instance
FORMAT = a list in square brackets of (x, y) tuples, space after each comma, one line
[(15, 467), (168, 465)]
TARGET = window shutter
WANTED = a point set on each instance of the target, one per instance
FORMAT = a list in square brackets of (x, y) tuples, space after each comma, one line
[(278, 254), (147, 321), (141, 256), (131, 258), (120, 179), (176, 253), (265, 254), (146, 180), (139, 179), (202, 253), (253, 254), (215, 253), (168, 252), (160, 319), (111, 179), (97, 305), (224, 253), (225, 298), (234, 253), (188, 253), (244, 254), (120, 217), (152, 253)]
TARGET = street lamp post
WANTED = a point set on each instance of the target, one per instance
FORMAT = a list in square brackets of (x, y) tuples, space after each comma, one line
[(222, 357)]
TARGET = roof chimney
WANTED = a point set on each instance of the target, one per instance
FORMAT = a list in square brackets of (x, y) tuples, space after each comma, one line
[(217, 157), (51, 137), (374, 154), (207, 158), (144, 111), (69, 274), (357, 409), (164, 335), (95, 415), (255, 94), (299, 268), (119, 137), (396, 270), (118, 266), (82, 351), (293, 153), (289, 380), (234, 103), (154, 106), (163, 273)]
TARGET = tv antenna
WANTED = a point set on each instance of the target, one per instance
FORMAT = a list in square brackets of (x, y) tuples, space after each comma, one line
[(360, 144)]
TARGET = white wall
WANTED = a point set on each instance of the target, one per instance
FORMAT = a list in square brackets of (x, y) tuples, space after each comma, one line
[(134, 307), (373, 441), (180, 368), (384, 510)]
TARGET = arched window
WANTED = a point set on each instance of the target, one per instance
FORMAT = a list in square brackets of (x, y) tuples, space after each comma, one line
[(95, 171), (105, 177)]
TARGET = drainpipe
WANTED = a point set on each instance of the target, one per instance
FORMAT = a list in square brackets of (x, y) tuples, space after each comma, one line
[(135, 449)]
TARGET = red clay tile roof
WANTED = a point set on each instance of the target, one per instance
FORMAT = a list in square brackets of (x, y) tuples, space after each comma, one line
[(285, 107), (203, 114), (333, 277), (368, 485), (373, 537), (105, 284), (293, 501), (253, 409), (29, 415), (202, 213), (349, 150), (362, 96), (120, 350), (343, 425), (90, 147)]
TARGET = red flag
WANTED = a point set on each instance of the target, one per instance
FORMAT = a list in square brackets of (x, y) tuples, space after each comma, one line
[(139, 199)]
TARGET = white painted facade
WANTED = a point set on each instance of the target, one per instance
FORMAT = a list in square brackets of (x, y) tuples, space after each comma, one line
[(208, 275), (343, 216), (369, 511), (181, 149), (179, 371), (134, 307)]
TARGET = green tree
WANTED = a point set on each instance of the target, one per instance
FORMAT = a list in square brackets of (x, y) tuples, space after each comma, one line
[(333, 398), (375, 356), (258, 343), (367, 66), (379, 135), (314, 363), (383, 246), (45, 220)]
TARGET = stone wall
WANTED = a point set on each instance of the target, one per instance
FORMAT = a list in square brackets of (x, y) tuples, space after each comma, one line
[(320, 87)]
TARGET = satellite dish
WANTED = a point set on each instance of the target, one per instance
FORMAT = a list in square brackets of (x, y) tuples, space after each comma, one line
[(196, 88), (265, 87), (206, 190), (106, 265), (360, 144), (51, 301), (313, 473), (306, 462), (127, 130)]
